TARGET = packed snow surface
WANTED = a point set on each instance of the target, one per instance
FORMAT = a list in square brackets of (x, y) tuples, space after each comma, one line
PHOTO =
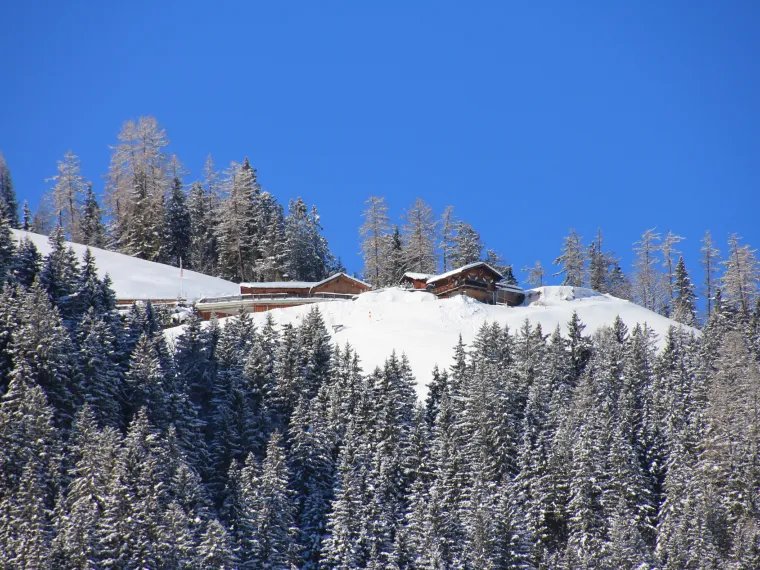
[(139, 279), (426, 328)]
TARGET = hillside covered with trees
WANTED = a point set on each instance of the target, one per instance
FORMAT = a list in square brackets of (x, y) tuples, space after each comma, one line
[(246, 447)]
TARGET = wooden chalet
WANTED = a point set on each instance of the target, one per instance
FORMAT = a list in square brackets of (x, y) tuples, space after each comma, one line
[(477, 280), (265, 296)]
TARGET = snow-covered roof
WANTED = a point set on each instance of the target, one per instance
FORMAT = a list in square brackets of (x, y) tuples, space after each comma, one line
[(461, 269), (318, 283), (509, 287), (417, 276), (281, 284), (300, 284)]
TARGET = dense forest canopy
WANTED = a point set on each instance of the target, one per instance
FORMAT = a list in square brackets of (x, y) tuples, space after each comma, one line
[(268, 447)]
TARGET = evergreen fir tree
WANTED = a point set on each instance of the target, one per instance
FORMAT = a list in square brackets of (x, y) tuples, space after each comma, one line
[(27, 264), (8, 202), (93, 455), (92, 232), (102, 375), (7, 249), (44, 346), (27, 219), (59, 271), (214, 550), (684, 302), (467, 246), (395, 265), (177, 233), (275, 511), (29, 473)]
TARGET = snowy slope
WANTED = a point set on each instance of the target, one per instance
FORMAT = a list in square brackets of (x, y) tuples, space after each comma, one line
[(139, 279), (427, 328)]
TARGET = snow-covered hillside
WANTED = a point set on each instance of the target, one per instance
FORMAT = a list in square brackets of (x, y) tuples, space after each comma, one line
[(427, 328), (139, 279)]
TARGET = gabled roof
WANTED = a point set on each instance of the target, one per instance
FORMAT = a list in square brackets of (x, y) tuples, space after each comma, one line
[(461, 269), (318, 283)]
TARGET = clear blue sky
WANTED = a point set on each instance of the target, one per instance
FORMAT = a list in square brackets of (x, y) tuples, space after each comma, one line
[(529, 118)]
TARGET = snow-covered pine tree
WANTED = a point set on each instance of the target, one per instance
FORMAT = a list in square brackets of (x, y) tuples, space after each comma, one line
[(395, 266), (26, 223), (496, 261), (509, 275), (684, 302), (43, 346), (7, 249), (237, 233), (204, 208), (271, 249), (312, 465), (8, 202), (274, 511), (177, 233), (214, 550), (419, 238), (91, 232), (572, 261), (373, 233), (467, 246), (60, 273), (307, 257), (92, 456), (67, 195), (146, 385), (27, 263), (102, 376), (29, 473)]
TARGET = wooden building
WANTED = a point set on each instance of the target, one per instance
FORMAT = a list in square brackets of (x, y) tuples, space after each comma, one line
[(477, 280), (265, 296)]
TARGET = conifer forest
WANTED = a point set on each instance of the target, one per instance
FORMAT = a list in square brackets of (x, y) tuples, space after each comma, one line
[(241, 446)]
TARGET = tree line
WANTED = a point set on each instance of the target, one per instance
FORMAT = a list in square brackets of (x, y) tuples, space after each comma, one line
[(660, 280), (224, 225), (244, 446)]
